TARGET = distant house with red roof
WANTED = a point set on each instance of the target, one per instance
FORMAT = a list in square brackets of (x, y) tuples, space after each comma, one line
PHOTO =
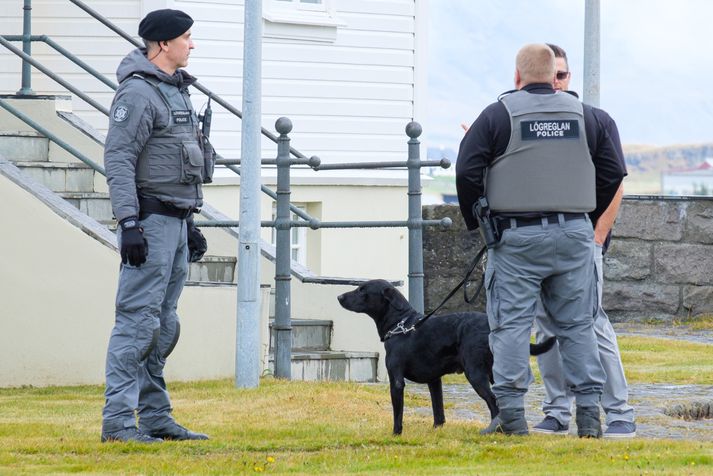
[(692, 181)]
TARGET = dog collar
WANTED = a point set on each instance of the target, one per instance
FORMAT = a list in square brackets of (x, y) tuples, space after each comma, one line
[(399, 328)]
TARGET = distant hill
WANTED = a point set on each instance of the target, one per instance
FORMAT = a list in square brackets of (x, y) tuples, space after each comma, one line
[(646, 163)]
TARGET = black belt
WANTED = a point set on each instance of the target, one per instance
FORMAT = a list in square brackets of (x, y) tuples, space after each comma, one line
[(504, 223), (148, 206)]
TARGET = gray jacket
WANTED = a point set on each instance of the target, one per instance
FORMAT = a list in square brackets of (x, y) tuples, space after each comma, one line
[(138, 114)]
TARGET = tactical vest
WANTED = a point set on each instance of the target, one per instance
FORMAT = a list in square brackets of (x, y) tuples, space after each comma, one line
[(172, 165), (546, 166)]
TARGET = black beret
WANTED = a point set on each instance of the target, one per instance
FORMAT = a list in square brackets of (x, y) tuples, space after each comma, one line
[(166, 24)]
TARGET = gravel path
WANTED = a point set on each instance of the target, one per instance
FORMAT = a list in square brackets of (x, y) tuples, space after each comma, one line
[(677, 332), (651, 402)]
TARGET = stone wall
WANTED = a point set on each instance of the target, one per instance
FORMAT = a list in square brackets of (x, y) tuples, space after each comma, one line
[(659, 266)]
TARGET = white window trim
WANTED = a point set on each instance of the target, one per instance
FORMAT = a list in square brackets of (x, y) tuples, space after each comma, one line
[(301, 14), (301, 246)]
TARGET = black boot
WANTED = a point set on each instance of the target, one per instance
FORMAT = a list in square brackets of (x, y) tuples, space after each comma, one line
[(170, 430), (510, 421), (588, 423), (126, 435)]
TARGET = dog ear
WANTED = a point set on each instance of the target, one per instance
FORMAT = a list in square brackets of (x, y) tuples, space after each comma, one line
[(396, 299)]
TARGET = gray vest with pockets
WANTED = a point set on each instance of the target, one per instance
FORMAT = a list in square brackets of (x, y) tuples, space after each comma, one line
[(546, 166), (171, 165)]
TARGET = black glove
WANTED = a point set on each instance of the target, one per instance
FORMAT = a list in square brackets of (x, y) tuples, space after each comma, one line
[(197, 244), (134, 247)]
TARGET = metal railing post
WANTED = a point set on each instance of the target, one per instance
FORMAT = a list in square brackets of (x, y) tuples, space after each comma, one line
[(26, 89), (415, 218), (591, 52), (283, 326)]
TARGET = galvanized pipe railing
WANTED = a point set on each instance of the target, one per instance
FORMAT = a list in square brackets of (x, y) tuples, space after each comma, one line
[(197, 85), (29, 59), (67, 54), (283, 303), (283, 225), (415, 218), (26, 88), (51, 136)]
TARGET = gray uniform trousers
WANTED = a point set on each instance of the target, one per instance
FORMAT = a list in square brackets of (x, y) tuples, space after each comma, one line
[(553, 261), (558, 401), (146, 328)]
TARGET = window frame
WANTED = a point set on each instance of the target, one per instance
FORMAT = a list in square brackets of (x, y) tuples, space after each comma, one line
[(298, 235), (296, 12)]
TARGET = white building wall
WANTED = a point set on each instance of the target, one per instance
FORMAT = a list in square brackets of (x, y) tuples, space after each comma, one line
[(687, 183), (349, 89)]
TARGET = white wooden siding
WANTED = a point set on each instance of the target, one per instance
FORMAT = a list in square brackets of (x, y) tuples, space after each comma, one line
[(349, 99)]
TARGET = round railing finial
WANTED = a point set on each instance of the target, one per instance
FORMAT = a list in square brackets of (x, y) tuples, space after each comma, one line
[(446, 223), (413, 129), (283, 125)]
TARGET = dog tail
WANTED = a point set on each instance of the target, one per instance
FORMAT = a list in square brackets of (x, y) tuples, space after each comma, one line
[(542, 347)]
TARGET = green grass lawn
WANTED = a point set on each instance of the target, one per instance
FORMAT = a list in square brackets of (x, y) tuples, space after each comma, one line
[(334, 428)]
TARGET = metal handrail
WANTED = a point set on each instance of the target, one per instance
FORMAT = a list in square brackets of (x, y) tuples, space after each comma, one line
[(317, 224), (29, 59), (313, 162), (5, 39), (51, 136), (67, 54), (97, 16), (445, 163)]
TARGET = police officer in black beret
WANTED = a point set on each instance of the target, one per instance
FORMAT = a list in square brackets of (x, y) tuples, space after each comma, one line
[(156, 161)]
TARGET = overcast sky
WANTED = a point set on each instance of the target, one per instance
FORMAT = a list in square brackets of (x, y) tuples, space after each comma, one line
[(656, 62)]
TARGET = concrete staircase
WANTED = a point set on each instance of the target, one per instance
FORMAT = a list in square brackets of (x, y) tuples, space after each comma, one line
[(312, 358), (76, 183)]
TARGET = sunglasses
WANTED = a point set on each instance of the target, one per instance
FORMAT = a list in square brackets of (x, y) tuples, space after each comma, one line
[(562, 75)]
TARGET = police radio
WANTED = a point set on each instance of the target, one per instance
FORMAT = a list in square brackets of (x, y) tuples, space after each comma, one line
[(209, 154), (205, 120), (486, 222)]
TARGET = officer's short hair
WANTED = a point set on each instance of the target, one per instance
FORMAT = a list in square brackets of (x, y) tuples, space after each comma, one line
[(559, 52), (150, 44), (536, 63)]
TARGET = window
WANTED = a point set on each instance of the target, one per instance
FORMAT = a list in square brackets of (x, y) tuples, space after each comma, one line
[(310, 5), (312, 20), (298, 236)]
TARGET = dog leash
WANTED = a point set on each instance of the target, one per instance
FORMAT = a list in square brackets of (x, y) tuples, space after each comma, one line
[(401, 327), (471, 268)]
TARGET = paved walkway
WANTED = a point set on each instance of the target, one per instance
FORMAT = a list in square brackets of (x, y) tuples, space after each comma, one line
[(650, 401)]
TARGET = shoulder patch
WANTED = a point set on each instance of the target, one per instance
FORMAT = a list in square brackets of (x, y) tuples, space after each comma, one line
[(121, 113)]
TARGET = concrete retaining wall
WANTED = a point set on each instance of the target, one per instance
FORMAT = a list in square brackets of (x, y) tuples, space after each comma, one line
[(659, 266)]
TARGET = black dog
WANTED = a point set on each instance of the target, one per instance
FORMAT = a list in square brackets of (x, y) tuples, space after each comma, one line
[(444, 344)]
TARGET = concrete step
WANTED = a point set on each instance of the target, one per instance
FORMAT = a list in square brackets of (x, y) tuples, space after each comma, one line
[(307, 335), (111, 224), (213, 269), (24, 147), (95, 204), (332, 365), (74, 182), (60, 176)]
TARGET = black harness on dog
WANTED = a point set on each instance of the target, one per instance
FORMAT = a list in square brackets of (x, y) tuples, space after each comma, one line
[(402, 328)]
